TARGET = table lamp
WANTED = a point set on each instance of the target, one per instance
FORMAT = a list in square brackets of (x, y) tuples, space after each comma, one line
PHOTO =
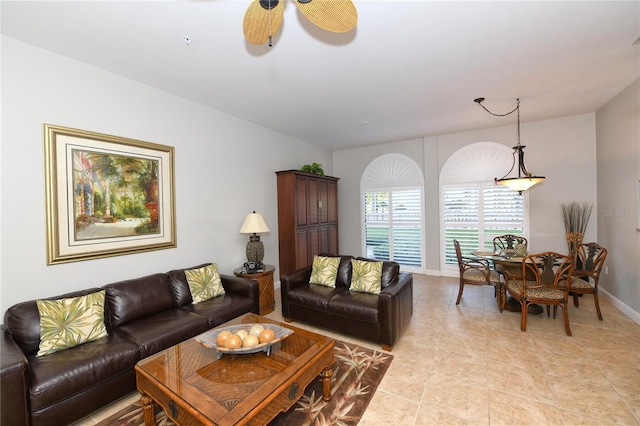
[(254, 225)]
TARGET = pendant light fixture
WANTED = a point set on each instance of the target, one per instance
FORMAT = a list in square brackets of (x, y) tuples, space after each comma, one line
[(525, 179)]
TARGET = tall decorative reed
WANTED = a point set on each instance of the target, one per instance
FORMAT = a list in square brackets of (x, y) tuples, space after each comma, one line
[(576, 216)]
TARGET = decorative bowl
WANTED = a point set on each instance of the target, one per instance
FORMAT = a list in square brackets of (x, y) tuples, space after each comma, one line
[(208, 339)]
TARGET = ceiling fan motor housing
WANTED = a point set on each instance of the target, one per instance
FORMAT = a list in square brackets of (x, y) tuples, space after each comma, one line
[(269, 4)]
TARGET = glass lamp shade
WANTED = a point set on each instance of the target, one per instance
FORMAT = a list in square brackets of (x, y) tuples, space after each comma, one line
[(520, 183), (525, 179)]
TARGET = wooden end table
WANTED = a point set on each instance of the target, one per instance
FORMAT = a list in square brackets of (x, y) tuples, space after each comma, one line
[(265, 283), (194, 387)]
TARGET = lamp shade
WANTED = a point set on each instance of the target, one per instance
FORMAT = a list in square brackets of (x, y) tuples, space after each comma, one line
[(254, 224), (520, 183)]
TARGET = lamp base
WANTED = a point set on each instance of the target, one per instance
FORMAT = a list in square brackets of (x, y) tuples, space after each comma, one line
[(255, 249)]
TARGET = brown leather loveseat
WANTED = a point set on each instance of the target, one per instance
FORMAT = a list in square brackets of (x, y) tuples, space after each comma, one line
[(381, 318), (142, 316)]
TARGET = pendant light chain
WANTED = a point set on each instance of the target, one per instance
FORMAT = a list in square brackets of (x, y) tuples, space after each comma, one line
[(517, 108), (270, 44), (518, 115)]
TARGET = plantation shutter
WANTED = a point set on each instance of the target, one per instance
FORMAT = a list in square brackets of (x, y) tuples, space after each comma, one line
[(461, 214), (392, 226), (475, 213), (503, 213), (407, 241), (376, 224)]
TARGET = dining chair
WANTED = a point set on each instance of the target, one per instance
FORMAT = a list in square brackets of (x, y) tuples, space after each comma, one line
[(588, 264), (508, 242), (476, 271), (544, 280)]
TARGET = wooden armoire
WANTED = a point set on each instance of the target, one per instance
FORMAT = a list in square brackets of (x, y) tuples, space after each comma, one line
[(307, 218)]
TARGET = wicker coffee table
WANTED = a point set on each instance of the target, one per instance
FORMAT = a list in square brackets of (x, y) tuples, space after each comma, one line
[(196, 388)]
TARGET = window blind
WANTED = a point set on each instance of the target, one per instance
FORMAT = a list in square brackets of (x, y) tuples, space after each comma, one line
[(393, 226), (475, 213)]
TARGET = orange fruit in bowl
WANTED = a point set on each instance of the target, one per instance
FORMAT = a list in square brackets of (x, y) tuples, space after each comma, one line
[(250, 341), (233, 341), (256, 329), (221, 337), (267, 335)]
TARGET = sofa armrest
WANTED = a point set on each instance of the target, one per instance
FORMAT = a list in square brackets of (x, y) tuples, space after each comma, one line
[(14, 382), (291, 281), (396, 308), (243, 287)]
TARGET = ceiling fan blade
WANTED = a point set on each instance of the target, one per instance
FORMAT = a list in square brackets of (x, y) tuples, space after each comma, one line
[(338, 16), (260, 22)]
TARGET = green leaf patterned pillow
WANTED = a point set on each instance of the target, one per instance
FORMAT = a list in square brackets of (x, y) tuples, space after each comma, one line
[(366, 276), (65, 323), (324, 270), (204, 283)]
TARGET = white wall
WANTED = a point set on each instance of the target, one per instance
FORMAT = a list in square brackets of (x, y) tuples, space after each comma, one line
[(618, 147), (224, 169), (563, 150)]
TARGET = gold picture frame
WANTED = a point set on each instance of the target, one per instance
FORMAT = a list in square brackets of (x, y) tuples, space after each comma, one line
[(106, 195)]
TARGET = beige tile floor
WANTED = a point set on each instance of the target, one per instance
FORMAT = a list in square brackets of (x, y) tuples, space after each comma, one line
[(471, 365)]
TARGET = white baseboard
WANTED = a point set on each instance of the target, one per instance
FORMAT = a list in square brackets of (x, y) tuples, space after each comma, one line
[(635, 316)]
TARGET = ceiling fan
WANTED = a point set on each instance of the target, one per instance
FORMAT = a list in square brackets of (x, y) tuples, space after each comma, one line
[(263, 18)]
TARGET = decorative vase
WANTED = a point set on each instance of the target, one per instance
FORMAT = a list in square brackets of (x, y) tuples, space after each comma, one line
[(574, 239), (576, 217)]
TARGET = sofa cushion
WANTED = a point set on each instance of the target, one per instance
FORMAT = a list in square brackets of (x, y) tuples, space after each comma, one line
[(390, 270), (138, 298), (204, 283), (366, 276), (222, 308), (180, 287), (356, 305), (165, 329), (63, 374), (344, 272), (23, 321), (65, 323), (324, 270), (313, 296)]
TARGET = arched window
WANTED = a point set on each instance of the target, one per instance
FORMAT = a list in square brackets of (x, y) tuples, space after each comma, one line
[(474, 209), (392, 211)]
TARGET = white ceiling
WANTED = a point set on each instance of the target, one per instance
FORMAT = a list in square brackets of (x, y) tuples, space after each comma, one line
[(409, 69)]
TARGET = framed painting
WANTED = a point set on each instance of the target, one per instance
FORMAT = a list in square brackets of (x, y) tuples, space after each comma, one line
[(106, 195)]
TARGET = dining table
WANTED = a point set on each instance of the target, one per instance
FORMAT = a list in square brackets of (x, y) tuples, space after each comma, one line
[(513, 265)]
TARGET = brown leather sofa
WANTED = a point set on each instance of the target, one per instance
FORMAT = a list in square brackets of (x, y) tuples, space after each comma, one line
[(379, 318), (143, 316)]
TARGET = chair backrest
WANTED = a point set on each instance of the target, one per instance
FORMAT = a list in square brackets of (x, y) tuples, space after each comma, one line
[(456, 244), (548, 269), (589, 259), (508, 242)]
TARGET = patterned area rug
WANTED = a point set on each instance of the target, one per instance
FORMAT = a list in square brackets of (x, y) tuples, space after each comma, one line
[(356, 375)]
